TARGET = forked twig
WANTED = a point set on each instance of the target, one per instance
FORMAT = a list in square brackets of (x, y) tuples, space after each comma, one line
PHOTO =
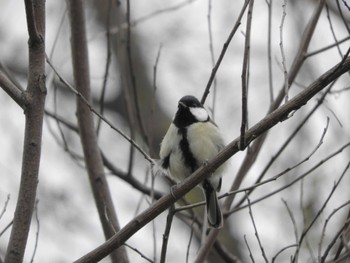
[(256, 232)]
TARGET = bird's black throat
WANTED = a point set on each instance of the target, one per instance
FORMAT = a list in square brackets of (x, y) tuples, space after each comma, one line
[(184, 118)]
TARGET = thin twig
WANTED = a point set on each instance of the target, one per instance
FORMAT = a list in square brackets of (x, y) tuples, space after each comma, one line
[(152, 151), (256, 232), (318, 51), (108, 122), (269, 6), (323, 233), (211, 49), (337, 235), (286, 170), (138, 252), (287, 142), (250, 252), (166, 234), (251, 156), (342, 15), (245, 74), (5, 206), (130, 179), (332, 31), (6, 227), (306, 230), (223, 51), (344, 238), (108, 63), (290, 213), (37, 231), (282, 250), (284, 64), (297, 179), (12, 90), (189, 244), (132, 75), (156, 13)]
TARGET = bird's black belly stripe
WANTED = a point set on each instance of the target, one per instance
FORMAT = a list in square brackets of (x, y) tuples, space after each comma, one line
[(189, 159), (166, 162)]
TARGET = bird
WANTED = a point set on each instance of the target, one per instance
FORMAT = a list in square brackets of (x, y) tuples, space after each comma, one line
[(190, 141)]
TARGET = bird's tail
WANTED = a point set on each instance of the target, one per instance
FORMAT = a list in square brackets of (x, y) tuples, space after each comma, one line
[(213, 208)]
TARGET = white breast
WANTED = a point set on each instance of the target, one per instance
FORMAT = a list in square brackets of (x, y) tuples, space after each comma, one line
[(205, 141), (170, 145)]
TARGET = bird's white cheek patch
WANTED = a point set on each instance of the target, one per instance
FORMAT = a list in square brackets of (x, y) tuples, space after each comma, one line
[(200, 113)]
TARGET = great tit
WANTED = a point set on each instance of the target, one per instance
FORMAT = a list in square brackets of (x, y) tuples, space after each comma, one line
[(191, 140)]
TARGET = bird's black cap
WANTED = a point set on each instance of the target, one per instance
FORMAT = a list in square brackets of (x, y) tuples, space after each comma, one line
[(190, 101)]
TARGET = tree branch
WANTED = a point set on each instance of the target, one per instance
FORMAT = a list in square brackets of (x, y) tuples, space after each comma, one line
[(34, 113), (12, 90), (93, 159), (223, 51), (279, 115)]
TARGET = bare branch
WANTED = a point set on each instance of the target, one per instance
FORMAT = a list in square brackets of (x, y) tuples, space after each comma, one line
[(88, 104), (93, 159), (280, 114), (5, 206), (282, 250), (108, 63), (166, 234), (138, 252), (224, 49), (285, 72), (269, 5), (256, 232), (34, 111), (326, 224), (15, 92), (6, 227), (132, 75), (211, 49), (298, 61), (250, 251), (37, 232), (290, 213), (306, 230), (312, 53), (286, 143), (245, 74), (297, 179), (35, 37)]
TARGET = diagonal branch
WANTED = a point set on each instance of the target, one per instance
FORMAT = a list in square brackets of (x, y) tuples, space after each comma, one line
[(279, 115), (12, 90)]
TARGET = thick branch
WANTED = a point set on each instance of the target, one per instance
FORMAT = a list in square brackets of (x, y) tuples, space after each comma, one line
[(93, 159), (254, 132), (34, 112), (35, 37)]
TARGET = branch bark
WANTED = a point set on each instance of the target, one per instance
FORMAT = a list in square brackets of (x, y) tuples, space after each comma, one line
[(259, 129), (12, 90), (92, 155), (34, 112)]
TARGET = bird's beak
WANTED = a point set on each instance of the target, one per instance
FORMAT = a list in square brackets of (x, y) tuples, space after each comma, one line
[(182, 105)]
